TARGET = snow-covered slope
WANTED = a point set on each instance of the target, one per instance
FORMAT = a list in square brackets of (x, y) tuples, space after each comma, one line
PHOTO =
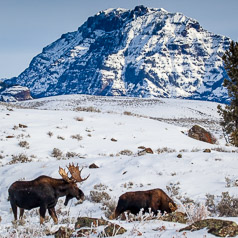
[(82, 128), (142, 52)]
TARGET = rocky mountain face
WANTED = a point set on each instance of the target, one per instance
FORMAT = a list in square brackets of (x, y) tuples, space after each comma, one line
[(139, 53), (13, 93)]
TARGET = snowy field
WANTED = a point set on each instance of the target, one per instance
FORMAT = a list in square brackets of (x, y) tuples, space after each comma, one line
[(108, 131)]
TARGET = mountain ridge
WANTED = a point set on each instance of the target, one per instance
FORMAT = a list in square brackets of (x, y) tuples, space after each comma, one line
[(144, 52)]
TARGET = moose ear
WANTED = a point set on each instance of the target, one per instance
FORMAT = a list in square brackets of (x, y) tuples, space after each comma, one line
[(172, 207)]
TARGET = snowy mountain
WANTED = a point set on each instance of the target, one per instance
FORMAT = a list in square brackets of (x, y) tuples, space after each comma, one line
[(144, 52)]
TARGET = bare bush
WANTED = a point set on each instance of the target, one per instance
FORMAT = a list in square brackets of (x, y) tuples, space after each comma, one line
[(127, 113), (126, 152), (87, 109), (221, 149), (195, 150), (60, 138), (196, 212), (50, 133), (21, 158), (77, 137), (228, 205), (99, 196), (173, 189), (109, 206), (100, 187), (72, 154), (231, 182), (57, 153), (225, 206), (24, 144), (165, 150)]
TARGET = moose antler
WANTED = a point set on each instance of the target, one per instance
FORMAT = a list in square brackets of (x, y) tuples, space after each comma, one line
[(64, 175), (76, 173)]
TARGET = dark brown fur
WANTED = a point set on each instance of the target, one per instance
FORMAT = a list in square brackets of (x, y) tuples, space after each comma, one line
[(41, 192), (155, 199)]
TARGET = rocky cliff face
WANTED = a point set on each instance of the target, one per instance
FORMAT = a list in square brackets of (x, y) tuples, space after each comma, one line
[(141, 53), (13, 93)]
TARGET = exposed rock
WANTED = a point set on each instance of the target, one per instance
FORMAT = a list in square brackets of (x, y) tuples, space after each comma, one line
[(110, 229), (179, 156), (207, 151), (14, 94), (93, 166), (199, 133), (216, 227), (113, 229), (63, 232), (141, 147), (145, 151), (114, 140), (22, 126), (175, 217), (149, 151), (89, 222)]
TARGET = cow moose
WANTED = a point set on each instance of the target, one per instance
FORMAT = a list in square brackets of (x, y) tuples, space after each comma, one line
[(45, 191), (155, 199)]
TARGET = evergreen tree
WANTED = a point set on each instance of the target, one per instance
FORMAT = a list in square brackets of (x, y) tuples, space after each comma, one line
[(230, 112)]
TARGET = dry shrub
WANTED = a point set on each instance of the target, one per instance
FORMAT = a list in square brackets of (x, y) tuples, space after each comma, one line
[(72, 154), (226, 206), (60, 138), (100, 187), (24, 144), (196, 212), (109, 206), (50, 133), (99, 196), (127, 113), (126, 152), (77, 137), (87, 109), (231, 182), (57, 153), (173, 189), (195, 150), (21, 158), (165, 150)]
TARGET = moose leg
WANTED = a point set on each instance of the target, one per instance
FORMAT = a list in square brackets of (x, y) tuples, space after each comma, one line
[(14, 209), (53, 214), (42, 213), (21, 212)]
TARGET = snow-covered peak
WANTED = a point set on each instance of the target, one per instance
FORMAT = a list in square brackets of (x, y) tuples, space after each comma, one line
[(144, 52)]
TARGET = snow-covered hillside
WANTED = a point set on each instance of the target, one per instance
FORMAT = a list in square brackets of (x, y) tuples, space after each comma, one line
[(144, 52), (107, 131)]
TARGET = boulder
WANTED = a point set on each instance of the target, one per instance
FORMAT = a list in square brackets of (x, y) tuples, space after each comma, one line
[(216, 227), (15, 93), (199, 133), (93, 166), (87, 225), (179, 217), (63, 232)]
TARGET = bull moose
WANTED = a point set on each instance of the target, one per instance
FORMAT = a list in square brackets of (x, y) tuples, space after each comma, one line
[(44, 192), (155, 199)]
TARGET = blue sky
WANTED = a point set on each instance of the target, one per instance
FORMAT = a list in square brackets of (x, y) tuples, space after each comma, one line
[(26, 26)]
